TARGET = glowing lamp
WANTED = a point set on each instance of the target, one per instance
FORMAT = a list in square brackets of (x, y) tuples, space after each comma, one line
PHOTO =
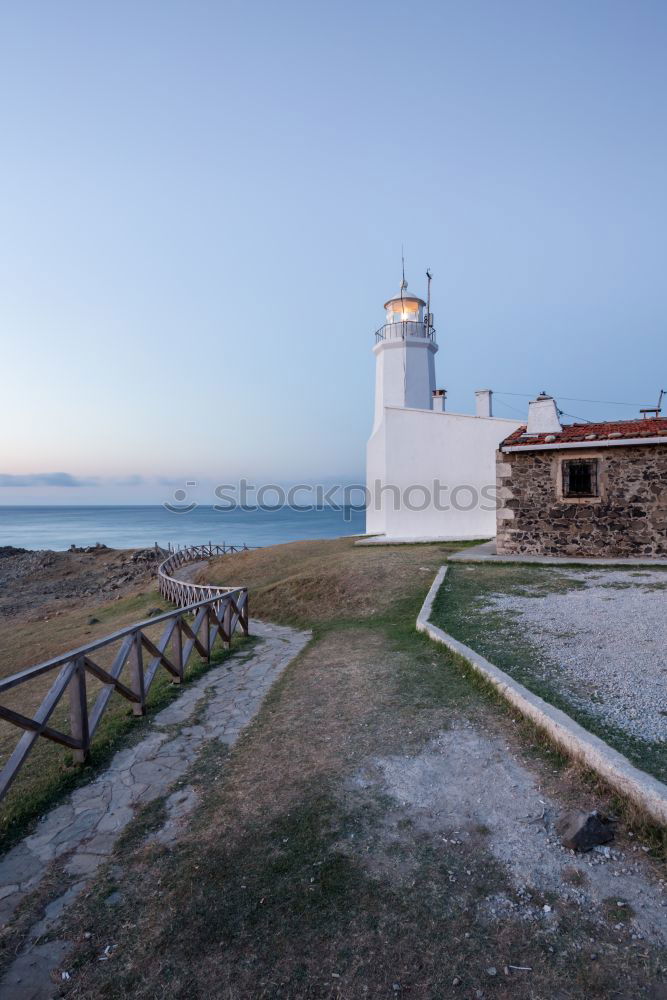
[(404, 307)]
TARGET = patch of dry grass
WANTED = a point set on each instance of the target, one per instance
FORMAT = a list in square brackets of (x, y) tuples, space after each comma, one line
[(315, 582), (50, 770), (298, 880)]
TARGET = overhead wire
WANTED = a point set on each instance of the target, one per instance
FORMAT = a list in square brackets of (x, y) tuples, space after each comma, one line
[(571, 399), (584, 420)]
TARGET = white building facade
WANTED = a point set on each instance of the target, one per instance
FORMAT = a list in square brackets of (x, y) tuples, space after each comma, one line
[(430, 474)]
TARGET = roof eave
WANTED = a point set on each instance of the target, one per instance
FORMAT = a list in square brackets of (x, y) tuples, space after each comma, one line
[(560, 446)]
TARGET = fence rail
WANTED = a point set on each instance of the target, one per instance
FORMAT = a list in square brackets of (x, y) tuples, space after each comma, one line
[(183, 592), (203, 615)]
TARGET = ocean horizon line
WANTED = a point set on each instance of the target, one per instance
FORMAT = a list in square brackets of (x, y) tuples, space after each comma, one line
[(170, 510), (128, 526)]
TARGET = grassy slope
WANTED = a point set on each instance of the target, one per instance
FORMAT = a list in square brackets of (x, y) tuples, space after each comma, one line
[(461, 608), (295, 881), (49, 771)]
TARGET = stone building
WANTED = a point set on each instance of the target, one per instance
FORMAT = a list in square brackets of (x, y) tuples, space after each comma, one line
[(583, 489)]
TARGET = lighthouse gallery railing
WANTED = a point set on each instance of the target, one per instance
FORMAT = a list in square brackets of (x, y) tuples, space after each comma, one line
[(403, 330)]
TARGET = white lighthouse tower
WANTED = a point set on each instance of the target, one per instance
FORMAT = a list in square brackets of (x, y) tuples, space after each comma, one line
[(405, 350), (430, 474)]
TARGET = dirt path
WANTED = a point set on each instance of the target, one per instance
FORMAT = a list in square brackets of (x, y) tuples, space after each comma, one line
[(468, 779), (383, 829), (189, 572), (80, 836)]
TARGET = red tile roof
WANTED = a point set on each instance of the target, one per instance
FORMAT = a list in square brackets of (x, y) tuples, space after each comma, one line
[(590, 433)]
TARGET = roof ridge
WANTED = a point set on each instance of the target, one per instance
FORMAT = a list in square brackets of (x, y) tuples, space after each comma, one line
[(637, 427)]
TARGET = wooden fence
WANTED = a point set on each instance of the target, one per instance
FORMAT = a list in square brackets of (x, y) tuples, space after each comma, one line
[(209, 613), (182, 592)]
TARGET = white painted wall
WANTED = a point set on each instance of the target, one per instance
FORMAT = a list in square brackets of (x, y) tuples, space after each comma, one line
[(413, 448), (543, 416), (404, 373), (483, 403)]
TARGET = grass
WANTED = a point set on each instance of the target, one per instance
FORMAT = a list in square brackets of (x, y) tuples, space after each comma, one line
[(50, 772), (462, 608), (308, 584), (297, 876)]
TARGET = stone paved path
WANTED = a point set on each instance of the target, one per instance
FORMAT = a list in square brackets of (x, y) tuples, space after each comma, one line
[(79, 835)]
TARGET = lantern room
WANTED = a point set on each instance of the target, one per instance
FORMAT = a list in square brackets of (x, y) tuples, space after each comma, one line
[(405, 307)]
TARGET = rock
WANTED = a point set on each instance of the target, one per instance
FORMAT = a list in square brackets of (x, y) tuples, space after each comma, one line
[(93, 620), (96, 549), (492, 971), (144, 555), (153, 612), (10, 550), (582, 831)]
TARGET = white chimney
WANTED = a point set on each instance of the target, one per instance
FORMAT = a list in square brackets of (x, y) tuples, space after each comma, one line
[(483, 404), (543, 416), (439, 400)]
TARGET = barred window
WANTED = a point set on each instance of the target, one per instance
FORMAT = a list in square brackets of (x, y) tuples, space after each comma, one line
[(580, 478)]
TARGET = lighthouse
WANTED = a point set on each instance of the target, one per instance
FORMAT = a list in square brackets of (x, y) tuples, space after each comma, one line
[(405, 351), (430, 473)]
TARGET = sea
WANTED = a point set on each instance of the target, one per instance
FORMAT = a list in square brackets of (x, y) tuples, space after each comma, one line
[(138, 527)]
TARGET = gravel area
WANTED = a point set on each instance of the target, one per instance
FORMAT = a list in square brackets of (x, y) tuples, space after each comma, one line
[(465, 779), (606, 642)]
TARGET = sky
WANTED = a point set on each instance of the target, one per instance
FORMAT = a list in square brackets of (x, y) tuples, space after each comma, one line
[(203, 206)]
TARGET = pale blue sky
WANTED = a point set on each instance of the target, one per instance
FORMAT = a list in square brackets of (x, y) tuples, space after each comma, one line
[(203, 204)]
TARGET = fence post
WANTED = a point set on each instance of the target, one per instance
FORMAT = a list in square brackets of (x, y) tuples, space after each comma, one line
[(207, 626), (178, 649), (137, 674), (227, 619), (78, 710), (245, 617)]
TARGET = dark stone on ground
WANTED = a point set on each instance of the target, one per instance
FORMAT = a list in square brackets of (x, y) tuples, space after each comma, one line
[(96, 549), (147, 555), (93, 621), (153, 612), (10, 550), (582, 831)]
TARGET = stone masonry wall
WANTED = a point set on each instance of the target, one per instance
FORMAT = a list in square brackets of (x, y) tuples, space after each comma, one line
[(628, 519)]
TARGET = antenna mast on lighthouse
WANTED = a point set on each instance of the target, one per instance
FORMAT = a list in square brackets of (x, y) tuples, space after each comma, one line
[(404, 283), (429, 320)]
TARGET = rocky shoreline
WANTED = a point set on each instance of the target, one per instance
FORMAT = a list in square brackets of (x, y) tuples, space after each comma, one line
[(35, 582)]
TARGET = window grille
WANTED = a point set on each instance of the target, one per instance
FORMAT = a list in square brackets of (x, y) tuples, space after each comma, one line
[(580, 478)]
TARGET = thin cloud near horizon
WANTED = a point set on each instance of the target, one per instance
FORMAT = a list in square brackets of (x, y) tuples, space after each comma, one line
[(66, 480)]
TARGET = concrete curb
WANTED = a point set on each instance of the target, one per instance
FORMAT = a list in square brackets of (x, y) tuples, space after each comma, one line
[(486, 552), (643, 789), (420, 540)]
